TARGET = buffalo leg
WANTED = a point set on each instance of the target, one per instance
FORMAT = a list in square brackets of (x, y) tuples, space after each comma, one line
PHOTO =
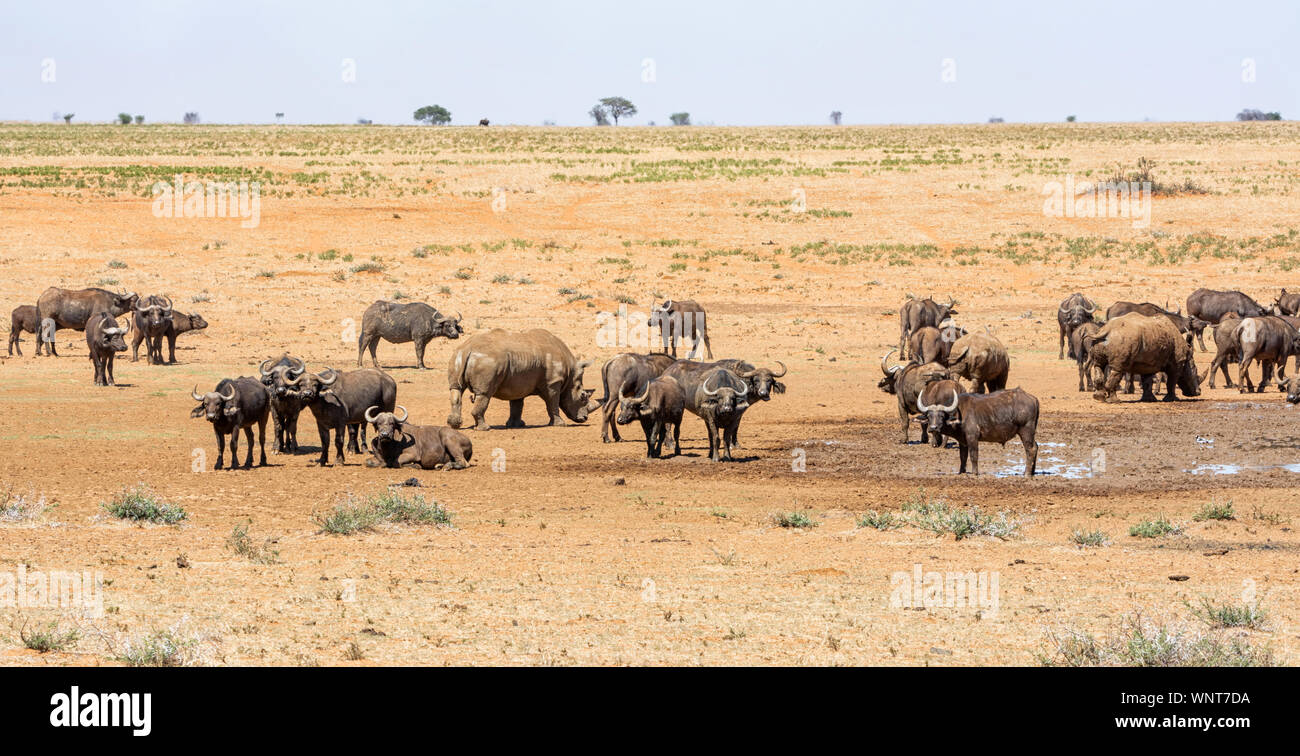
[(707, 346), (108, 370), (1266, 376), (1243, 367), (277, 432), (234, 449), (324, 432), (248, 438), (516, 419), (963, 452), (713, 438), (291, 432), (1060, 352), (650, 428), (419, 352), (221, 449), (677, 438), (906, 420), (1027, 437), (353, 431), (136, 338), (171, 349), (607, 422), (261, 439)]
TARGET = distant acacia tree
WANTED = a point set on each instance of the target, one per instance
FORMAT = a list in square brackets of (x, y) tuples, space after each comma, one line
[(997, 119), (836, 117), (67, 118), (139, 120), (1250, 114), (680, 119), (1069, 119), (124, 118), (618, 107), (364, 121), (191, 118), (436, 115), (599, 115)]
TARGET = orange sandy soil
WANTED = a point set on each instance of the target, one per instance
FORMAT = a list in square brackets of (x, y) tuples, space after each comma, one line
[(586, 553)]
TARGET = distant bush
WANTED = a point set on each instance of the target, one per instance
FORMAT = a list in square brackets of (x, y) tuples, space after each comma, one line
[(1250, 114)]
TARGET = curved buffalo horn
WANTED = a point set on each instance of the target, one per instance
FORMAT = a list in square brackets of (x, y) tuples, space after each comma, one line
[(1089, 306), (953, 406), (228, 398), (370, 409), (334, 376), (705, 386), (141, 306), (884, 362), (168, 307), (302, 366), (744, 388), (195, 393), (668, 304), (263, 369), (920, 405), (457, 320), (1063, 308), (644, 394), (405, 414), (784, 370)]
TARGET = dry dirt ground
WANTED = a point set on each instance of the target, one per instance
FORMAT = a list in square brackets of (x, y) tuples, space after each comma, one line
[(578, 552)]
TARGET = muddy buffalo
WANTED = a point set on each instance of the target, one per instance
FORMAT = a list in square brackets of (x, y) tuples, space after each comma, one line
[(1286, 303), (1268, 340), (1210, 306), (1079, 340), (1144, 345), (981, 359), (919, 313), (717, 396), (22, 319), (286, 404), (235, 405), (1074, 311), (639, 369), (678, 320), (398, 443), (511, 366), (151, 318), (659, 407), (104, 339), (996, 418), (1227, 350), (402, 323), (934, 344), (340, 400), (906, 382), (71, 308)]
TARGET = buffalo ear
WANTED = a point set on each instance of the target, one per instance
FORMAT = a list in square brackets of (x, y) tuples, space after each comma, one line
[(231, 411), (197, 411), (778, 387)]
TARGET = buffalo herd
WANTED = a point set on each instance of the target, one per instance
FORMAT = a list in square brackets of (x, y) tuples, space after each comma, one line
[(951, 381)]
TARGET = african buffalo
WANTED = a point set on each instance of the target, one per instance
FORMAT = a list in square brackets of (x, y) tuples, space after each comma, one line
[(398, 443), (919, 313), (1291, 386), (286, 404), (629, 366), (105, 339), (1079, 349), (982, 359), (717, 396), (234, 405), (69, 308), (658, 406), (678, 320), (1074, 311), (1227, 350), (995, 418), (762, 383), (1144, 345), (178, 323), (22, 319), (1268, 340), (340, 401), (934, 344), (400, 323), (151, 318), (1210, 306), (506, 365), (1286, 304), (906, 382)]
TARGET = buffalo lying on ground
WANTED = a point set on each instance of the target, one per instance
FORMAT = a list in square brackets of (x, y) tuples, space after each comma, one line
[(1074, 311), (1290, 386), (22, 319), (1210, 306), (340, 401), (996, 418), (981, 359), (398, 443), (69, 308), (151, 317), (919, 313), (104, 338), (401, 323), (511, 366), (1268, 340), (659, 406), (286, 404), (639, 369), (1079, 348), (906, 382), (679, 319), (1144, 345), (234, 405), (717, 396)]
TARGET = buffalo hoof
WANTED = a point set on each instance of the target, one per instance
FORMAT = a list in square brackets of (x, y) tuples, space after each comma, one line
[(218, 465)]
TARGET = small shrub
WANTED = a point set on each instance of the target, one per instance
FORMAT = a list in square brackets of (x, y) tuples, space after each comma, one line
[(142, 504), (21, 507), (368, 267), (1141, 642), (1089, 538), (49, 637), (1229, 615), (171, 647), (1157, 528), (354, 516), (243, 544), (1215, 511), (794, 520), (116, 264), (880, 520)]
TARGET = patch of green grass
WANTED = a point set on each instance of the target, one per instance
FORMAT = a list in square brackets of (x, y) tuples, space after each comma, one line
[(369, 267), (354, 516), (794, 520), (48, 637), (880, 520), (141, 504), (1229, 615), (1089, 538), (116, 264), (1157, 528), (1215, 511)]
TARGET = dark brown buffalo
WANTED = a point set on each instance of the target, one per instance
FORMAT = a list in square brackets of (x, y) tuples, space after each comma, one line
[(71, 308), (401, 323), (919, 313), (151, 318), (1074, 311), (907, 381), (1191, 325), (1210, 306), (1227, 350), (762, 383), (639, 369), (23, 319), (717, 396), (1144, 345), (1079, 350), (995, 418), (1291, 387), (177, 324), (678, 320), (398, 443), (1268, 340), (286, 404), (340, 400), (932, 344), (1286, 304), (234, 405), (658, 406), (104, 338), (512, 366), (981, 359)]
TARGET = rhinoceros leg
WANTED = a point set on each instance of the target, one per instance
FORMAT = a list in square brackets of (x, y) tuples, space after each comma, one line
[(479, 411), (516, 414), (453, 417), (553, 403)]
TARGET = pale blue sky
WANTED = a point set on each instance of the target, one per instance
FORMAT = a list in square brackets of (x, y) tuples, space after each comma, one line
[(725, 61)]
